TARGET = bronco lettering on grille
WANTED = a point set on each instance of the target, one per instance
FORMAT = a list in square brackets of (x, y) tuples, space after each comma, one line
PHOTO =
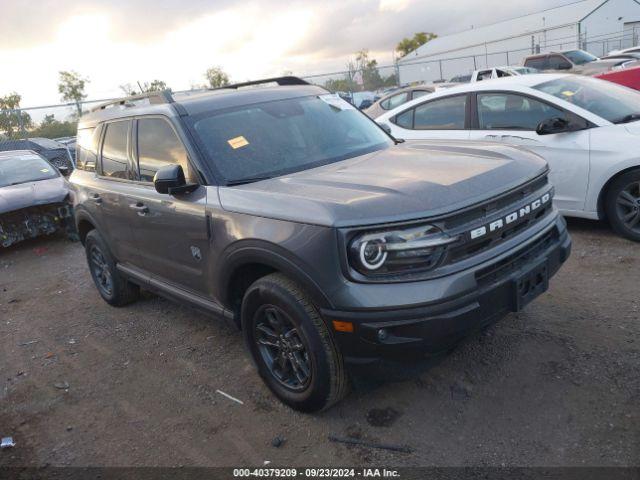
[(503, 221)]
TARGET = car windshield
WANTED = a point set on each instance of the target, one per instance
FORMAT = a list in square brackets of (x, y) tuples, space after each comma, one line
[(579, 57), (275, 138), (606, 99), (24, 169)]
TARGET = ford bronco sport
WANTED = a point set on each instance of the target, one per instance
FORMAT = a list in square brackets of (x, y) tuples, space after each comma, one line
[(281, 208)]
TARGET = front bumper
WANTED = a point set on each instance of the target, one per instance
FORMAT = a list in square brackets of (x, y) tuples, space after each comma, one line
[(35, 221), (436, 326)]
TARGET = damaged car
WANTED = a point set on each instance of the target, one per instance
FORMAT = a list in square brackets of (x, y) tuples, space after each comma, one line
[(57, 154), (34, 198)]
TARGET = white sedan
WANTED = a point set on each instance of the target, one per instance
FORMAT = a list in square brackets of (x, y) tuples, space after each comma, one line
[(587, 129)]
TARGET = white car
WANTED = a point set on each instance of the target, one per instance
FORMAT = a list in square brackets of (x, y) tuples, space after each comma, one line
[(499, 72), (587, 129), (635, 49)]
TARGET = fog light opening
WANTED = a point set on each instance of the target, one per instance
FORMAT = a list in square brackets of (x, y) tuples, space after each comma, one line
[(383, 334)]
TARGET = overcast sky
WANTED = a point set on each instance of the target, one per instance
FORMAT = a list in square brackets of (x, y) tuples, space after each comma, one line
[(123, 41)]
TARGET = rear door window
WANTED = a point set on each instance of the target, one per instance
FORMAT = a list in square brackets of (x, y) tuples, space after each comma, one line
[(484, 75), (115, 157), (158, 146), (442, 114), (558, 62), (538, 62)]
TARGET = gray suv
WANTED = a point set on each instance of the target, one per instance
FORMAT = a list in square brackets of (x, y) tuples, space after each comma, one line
[(284, 210)]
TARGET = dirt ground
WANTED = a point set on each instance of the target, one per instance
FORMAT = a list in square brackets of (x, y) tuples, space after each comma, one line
[(88, 384)]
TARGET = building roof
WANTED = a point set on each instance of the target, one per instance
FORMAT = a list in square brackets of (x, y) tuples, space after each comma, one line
[(568, 14)]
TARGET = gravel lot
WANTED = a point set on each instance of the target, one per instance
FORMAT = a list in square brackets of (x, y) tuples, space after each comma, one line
[(88, 384)]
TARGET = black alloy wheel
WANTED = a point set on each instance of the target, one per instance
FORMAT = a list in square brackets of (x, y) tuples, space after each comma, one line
[(100, 271), (628, 206), (622, 204), (282, 348)]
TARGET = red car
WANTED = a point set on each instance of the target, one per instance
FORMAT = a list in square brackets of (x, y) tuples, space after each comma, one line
[(629, 77)]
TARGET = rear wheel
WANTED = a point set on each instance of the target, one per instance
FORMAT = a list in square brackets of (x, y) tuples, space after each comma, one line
[(623, 205), (112, 286), (291, 346)]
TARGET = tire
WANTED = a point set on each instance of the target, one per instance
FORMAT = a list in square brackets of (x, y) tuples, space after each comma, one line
[(120, 291), (623, 215), (275, 300)]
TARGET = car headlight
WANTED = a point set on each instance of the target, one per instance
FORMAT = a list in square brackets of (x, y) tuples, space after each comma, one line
[(399, 250)]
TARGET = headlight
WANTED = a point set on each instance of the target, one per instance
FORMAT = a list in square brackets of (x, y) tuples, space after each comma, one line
[(400, 250)]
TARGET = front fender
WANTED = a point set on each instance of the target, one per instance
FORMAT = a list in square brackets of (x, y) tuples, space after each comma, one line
[(248, 252)]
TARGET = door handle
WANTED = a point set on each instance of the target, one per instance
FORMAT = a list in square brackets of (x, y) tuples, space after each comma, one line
[(96, 198), (140, 207)]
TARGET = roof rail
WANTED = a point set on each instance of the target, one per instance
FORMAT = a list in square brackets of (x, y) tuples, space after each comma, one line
[(282, 81), (163, 96)]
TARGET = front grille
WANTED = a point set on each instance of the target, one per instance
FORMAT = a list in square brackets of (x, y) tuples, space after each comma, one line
[(513, 262), (487, 209), (469, 248)]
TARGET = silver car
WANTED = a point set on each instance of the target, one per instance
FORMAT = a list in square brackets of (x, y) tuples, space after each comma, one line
[(398, 97)]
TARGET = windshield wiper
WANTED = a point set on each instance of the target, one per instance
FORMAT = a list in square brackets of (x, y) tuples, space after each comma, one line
[(243, 181), (628, 118)]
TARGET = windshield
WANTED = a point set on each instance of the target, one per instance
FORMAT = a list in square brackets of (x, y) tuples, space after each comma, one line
[(274, 138), (606, 99), (579, 57), (24, 169)]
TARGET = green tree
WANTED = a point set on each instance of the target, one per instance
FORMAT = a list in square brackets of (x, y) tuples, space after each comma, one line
[(71, 87), (12, 120), (52, 128), (408, 45), (368, 67), (216, 77), (340, 85), (155, 86), (129, 90)]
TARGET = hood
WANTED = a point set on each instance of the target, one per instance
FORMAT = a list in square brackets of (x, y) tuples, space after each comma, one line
[(403, 182), (15, 197)]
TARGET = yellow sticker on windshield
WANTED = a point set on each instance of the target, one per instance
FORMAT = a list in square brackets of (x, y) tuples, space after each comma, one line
[(44, 170), (568, 93), (238, 142)]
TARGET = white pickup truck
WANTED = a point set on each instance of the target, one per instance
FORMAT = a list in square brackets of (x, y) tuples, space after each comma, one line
[(498, 72)]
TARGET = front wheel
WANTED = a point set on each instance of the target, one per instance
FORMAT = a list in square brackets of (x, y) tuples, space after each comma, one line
[(623, 205), (291, 346)]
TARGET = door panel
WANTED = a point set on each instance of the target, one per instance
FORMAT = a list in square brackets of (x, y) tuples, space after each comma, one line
[(173, 235), (512, 118), (566, 153), (171, 230)]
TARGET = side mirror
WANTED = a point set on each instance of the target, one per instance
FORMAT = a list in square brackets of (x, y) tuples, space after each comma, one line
[(170, 180), (64, 170), (552, 125)]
